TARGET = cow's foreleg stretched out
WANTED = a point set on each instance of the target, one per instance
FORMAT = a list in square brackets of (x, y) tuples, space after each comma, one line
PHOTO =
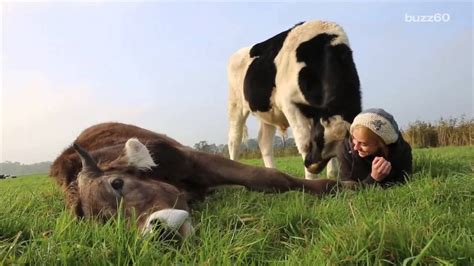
[(215, 170)]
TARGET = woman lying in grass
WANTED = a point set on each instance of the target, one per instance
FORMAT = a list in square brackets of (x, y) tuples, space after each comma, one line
[(375, 152)]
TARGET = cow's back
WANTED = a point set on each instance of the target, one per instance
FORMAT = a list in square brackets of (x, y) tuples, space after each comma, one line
[(109, 134)]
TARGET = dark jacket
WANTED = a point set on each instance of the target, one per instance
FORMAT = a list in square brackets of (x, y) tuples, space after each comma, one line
[(355, 168)]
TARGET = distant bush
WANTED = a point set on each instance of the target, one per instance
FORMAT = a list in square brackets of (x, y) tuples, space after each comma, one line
[(450, 132)]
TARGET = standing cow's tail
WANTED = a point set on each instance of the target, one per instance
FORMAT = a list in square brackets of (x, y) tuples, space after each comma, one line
[(245, 134), (284, 135), (237, 113)]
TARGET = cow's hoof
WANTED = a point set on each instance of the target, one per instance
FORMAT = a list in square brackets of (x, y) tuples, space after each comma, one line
[(313, 168), (352, 185), (311, 176)]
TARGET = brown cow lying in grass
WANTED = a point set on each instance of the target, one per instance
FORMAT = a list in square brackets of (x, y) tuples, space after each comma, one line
[(155, 176)]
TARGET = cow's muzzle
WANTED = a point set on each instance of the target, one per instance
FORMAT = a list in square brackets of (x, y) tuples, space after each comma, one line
[(316, 168), (174, 221)]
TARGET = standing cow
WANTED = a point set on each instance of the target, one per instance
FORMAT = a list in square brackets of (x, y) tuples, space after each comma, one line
[(303, 78)]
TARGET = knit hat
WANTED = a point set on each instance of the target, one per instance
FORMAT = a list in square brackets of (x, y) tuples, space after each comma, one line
[(380, 122)]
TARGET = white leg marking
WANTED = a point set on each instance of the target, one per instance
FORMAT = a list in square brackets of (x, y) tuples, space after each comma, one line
[(265, 142), (332, 169)]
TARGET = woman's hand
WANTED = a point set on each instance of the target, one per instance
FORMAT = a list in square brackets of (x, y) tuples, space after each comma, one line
[(380, 168)]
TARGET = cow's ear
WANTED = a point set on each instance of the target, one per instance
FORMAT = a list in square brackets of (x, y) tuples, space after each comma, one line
[(324, 122), (138, 155), (73, 200)]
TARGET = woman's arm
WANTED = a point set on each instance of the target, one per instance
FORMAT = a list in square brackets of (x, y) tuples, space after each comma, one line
[(402, 167)]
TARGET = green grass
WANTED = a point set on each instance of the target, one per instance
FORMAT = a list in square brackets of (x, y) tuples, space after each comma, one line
[(430, 220)]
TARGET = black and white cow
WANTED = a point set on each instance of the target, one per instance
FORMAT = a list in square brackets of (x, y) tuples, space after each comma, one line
[(304, 78)]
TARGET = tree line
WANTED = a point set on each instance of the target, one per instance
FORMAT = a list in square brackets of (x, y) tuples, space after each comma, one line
[(250, 144), (249, 149), (16, 168)]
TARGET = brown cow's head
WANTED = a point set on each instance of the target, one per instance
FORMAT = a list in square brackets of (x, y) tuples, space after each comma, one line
[(326, 137), (99, 191)]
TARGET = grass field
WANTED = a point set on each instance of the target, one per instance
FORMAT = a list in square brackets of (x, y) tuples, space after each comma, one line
[(430, 220)]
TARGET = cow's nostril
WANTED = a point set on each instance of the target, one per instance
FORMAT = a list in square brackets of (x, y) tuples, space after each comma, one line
[(173, 220), (117, 183), (161, 231), (156, 223)]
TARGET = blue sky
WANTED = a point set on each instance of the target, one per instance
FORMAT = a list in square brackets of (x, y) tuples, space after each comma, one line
[(162, 65)]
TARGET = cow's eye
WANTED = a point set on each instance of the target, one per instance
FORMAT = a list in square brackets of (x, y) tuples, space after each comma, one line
[(117, 184)]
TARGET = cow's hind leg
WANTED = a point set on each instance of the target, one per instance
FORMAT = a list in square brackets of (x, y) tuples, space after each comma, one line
[(237, 119), (265, 142)]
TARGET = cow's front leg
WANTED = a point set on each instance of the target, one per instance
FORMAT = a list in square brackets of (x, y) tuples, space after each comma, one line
[(301, 128), (332, 169), (308, 174), (265, 142)]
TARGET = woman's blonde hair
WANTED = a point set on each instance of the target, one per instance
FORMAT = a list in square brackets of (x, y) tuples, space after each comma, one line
[(369, 134)]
